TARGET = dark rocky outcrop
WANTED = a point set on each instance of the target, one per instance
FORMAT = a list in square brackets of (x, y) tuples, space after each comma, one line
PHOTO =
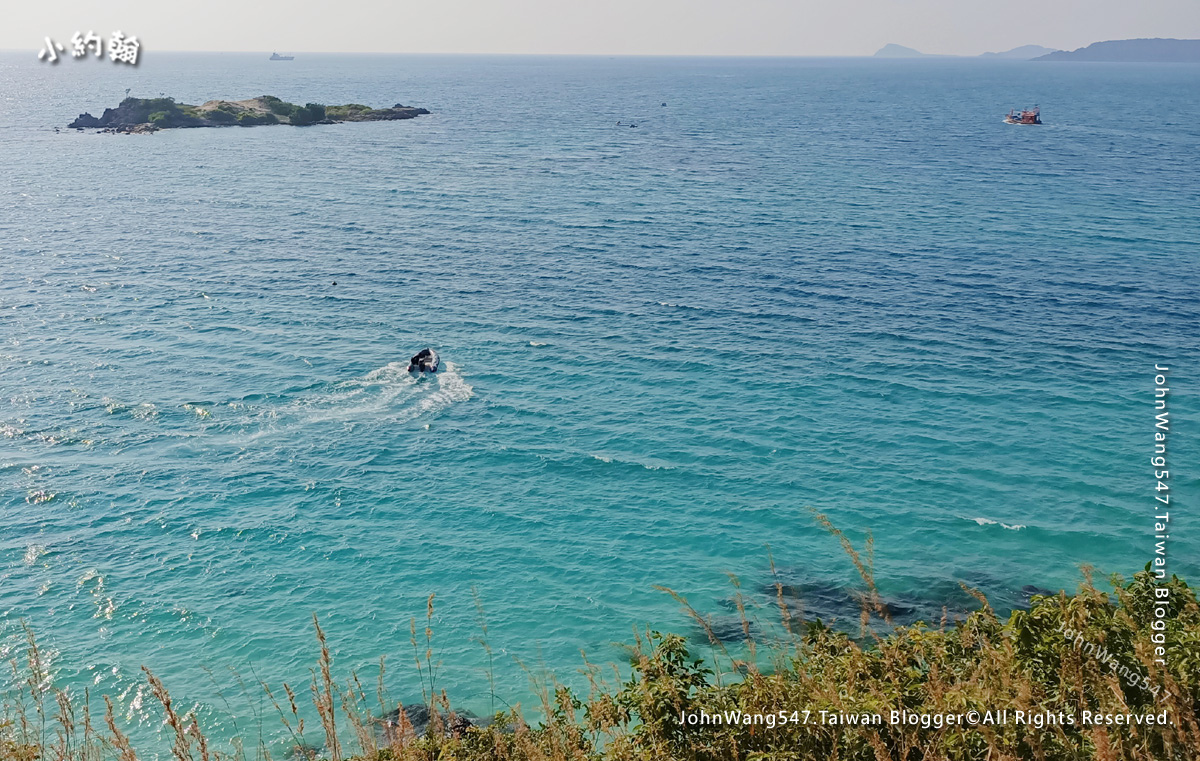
[(840, 606), (834, 603), (420, 717)]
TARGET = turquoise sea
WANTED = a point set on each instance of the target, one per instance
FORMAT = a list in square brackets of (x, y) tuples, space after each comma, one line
[(842, 285)]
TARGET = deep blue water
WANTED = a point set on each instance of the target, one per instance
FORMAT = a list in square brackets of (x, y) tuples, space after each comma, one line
[(843, 285)]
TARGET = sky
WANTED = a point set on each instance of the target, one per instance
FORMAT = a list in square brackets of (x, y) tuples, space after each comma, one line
[(611, 27)]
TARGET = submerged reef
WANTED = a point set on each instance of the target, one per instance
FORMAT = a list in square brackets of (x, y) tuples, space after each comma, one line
[(139, 115)]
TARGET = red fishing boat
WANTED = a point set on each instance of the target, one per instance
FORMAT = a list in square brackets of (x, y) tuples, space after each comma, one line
[(1024, 117)]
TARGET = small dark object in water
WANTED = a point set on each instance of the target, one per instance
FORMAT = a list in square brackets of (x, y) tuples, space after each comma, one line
[(424, 361), (632, 125), (1024, 116), (420, 718), (664, 104), (335, 282)]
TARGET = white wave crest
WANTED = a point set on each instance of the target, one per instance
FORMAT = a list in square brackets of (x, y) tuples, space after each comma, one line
[(610, 459), (989, 522), (32, 553)]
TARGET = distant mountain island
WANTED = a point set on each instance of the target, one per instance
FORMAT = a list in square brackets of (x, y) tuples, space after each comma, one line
[(892, 50), (1156, 50), (1023, 53)]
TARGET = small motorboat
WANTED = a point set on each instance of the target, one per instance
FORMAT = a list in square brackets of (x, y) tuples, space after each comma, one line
[(424, 361), (1024, 117)]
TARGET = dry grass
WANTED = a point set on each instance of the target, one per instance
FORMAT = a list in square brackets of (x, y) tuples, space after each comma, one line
[(1022, 663)]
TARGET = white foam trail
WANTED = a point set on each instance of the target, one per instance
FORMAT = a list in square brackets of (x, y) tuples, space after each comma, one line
[(389, 393), (451, 388), (989, 522), (386, 394)]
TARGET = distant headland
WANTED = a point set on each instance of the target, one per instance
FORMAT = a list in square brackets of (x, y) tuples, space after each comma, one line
[(1023, 53), (1131, 51), (892, 50), (1155, 50), (138, 115)]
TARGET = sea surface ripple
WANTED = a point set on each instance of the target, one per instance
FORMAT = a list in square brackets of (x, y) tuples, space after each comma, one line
[(831, 284)]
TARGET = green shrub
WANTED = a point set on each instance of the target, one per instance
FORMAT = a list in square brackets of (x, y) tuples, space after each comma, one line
[(300, 116), (347, 110), (311, 113), (220, 116), (278, 106), (250, 119), (137, 110)]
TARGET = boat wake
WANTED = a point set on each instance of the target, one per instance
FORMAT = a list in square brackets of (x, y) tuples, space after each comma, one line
[(387, 394)]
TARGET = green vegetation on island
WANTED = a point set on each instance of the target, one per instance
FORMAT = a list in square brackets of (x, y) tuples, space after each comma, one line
[(151, 114), (1074, 677)]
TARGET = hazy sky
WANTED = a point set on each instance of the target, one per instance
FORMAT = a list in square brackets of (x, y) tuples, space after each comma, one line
[(672, 27)]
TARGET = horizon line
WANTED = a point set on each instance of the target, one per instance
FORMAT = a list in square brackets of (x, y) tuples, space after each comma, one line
[(922, 54), (556, 55)]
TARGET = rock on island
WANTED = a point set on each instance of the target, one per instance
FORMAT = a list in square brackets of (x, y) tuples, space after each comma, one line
[(153, 114)]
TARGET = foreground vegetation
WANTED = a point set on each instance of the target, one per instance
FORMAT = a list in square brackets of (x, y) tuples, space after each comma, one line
[(1068, 654)]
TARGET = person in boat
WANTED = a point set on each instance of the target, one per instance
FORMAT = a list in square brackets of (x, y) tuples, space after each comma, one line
[(423, 360)]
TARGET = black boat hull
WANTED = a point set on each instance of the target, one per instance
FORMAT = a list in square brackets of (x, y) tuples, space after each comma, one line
[(425, 361)]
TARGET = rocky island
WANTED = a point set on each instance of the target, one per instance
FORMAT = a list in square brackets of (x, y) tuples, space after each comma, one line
[(140, 115)]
